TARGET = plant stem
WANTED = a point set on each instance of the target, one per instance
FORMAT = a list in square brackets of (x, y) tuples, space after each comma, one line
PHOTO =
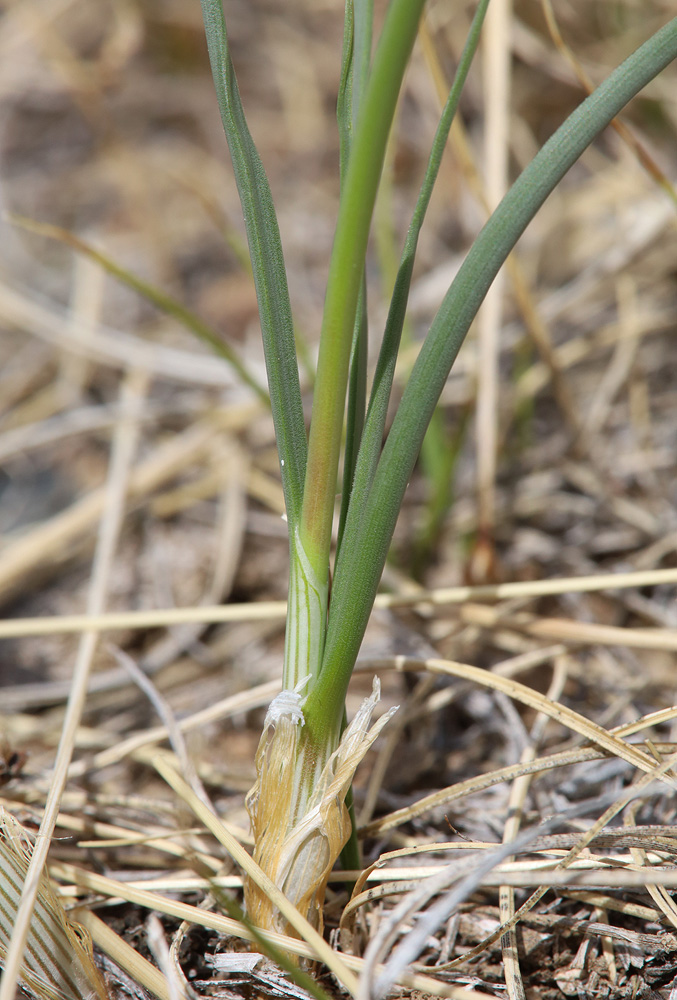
[(309, 546), (345, 276), (306, 620)]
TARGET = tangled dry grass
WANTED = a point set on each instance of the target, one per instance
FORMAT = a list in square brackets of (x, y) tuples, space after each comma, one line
[(530, 640)]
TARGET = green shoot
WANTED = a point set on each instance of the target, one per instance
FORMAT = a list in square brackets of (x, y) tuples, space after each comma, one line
[(305, 760)]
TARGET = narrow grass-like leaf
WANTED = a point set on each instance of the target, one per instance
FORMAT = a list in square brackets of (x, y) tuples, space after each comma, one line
[(354, 75), (345, 275), (363, 33), (357, 38), (356, 408), (361, 564), (372, 436), (344, 101), (267, 262), (437, 449), (160, 299)]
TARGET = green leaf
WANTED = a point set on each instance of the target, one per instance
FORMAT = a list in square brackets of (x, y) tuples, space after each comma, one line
[(344, 101), (345, 275), (358, 574), (355, 409), (372, 436), (354, 75), (270, 277)]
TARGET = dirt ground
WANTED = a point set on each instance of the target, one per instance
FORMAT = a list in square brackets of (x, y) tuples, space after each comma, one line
[(109, 129)]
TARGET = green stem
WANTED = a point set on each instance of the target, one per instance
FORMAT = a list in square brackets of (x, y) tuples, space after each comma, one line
[(345, 276), (357, 402), (374, 427), (306, 619)]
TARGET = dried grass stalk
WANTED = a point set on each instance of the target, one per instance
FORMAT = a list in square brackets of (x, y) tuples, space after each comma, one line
[(58, 963)]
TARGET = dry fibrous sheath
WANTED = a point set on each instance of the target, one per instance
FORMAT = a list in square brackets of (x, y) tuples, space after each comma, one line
[(301, 828)]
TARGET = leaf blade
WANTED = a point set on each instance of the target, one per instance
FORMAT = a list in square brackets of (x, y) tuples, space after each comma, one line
[(357, 577), (345, 275), (357, 40), (375, 422), (270, 278)]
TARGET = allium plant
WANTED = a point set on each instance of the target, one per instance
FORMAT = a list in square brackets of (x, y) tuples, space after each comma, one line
[(306, 758)]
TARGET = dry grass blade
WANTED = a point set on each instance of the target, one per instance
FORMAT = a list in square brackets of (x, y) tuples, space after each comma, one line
[(394, 734), (546, 878), (57, 963), (563, 630), (123, 449), (395, 880), (256, 611), (92, 882), (496, 74), (508, 773), (243, 701), (158, 838), (157, 296), (163, 617), (174, 733), (628, 137), (320, 948), (516, 800), (159, 949), (602, 879), (658, 893), (453, 884), (398, 880), (467, 787), (560, 713), (45, 543), (139, 968), (413, 942), (541, 588), (116, 348)]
